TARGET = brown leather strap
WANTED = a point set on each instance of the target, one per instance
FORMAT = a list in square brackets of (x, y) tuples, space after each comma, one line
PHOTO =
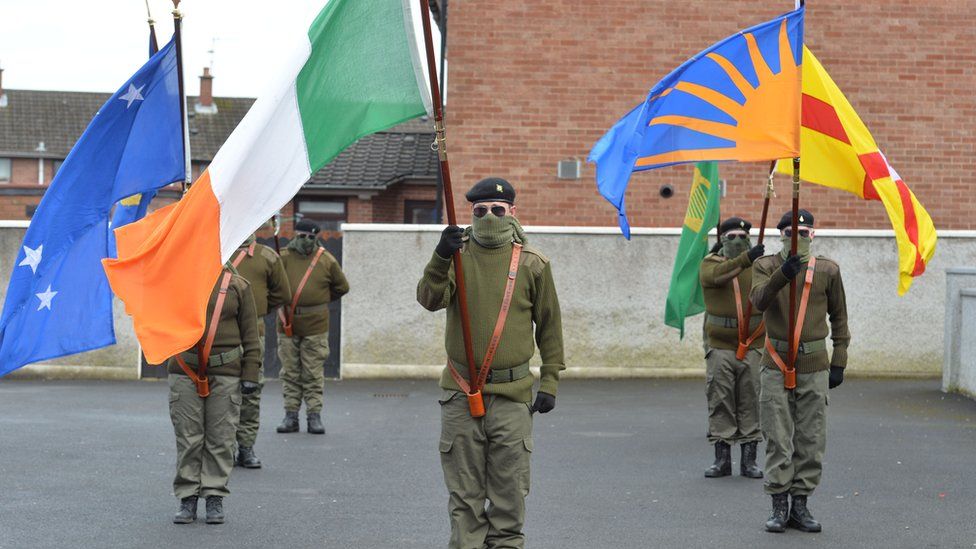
[(496, 336), (789, 371), (745, 340), (289, 317), (199, 377), (242, 254)]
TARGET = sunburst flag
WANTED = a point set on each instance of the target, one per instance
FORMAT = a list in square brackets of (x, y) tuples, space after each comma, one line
[(838, 151), (739, 100)]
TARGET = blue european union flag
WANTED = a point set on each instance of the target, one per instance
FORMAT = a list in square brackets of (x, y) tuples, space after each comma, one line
[(58, 300)]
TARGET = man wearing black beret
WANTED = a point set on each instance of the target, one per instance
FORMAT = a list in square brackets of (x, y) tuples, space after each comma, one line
[(486, 459), (793, 405), (733, 343)]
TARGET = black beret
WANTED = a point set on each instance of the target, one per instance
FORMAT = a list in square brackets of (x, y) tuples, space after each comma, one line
[(804, 218), (734, 223), (491, 189), (307, 226)]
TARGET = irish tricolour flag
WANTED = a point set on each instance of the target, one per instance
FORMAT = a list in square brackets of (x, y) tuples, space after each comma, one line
[(360, 70)]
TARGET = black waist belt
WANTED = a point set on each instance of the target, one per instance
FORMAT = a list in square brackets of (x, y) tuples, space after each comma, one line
[(806, 347), (507, 375), (731, 322), (311, 309), (219, 359)]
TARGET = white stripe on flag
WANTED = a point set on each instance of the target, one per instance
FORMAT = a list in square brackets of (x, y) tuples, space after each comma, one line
[(413, 25)]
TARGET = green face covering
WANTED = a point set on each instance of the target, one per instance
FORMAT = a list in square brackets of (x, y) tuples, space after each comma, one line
[(732, 248), (492, 231), (802, 247), (303, 246)]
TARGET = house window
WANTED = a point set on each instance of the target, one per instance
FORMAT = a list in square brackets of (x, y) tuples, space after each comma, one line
[(329, 214), (420, 211), (5, 170)]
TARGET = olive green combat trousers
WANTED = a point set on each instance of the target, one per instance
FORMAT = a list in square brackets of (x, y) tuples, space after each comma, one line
[(732, 389), (302, 373), (247, 429), (486, 460), (795, 426), (205, 429)]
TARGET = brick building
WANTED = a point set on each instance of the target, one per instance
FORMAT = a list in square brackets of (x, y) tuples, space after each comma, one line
[(534, 83), (388, 177)]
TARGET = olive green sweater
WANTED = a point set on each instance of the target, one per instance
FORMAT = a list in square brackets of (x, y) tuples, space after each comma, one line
[(533, 319), (716, 275), (771, 294), (265, 272), (237, 327), (326, 283)]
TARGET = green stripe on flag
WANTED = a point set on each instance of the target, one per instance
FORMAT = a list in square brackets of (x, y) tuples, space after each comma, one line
[(359, 78), (685, 293)]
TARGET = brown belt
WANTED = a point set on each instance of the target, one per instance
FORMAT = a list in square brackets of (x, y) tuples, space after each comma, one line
[(745, 339), (789, 371), (287, 319), (473, 390), (199, 377)]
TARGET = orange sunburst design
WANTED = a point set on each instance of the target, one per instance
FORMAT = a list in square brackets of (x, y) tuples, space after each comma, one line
[(767, 123)]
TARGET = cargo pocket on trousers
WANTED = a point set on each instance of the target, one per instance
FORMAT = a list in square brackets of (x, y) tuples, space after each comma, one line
[(524, 478)]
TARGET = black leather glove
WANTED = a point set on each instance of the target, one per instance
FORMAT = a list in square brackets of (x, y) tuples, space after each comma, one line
[(792, 267), (544, 402), (450, 241), (836, 377), (248, 387), (756, 252)]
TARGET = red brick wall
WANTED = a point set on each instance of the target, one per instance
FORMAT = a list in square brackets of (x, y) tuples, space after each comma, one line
[(14, 207), (387, 206), (23, 171), (535, 82)]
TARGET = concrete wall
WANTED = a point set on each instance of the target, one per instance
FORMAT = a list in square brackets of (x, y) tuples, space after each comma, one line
[(959, 360), (119, 361), (612, 294)]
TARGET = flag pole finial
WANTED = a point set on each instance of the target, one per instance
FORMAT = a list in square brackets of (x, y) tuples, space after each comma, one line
[(149, 13)]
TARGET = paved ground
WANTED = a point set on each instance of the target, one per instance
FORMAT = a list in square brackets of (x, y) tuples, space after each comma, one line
[(618, 464)]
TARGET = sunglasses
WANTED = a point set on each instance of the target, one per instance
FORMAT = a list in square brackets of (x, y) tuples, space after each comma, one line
[(733, 236), (481, 210), (305, 235), (805, 233)]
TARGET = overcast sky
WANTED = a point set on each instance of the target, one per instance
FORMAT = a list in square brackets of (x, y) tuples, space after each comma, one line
[(96, 45)]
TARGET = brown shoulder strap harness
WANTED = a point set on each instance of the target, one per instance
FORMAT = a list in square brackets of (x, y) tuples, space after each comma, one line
[(473, 390), (242, 254), (289, 317), (789, 373), (745, 339), (199, 377)]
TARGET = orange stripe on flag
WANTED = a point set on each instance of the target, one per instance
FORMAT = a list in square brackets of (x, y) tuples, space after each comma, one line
[(167, 307)]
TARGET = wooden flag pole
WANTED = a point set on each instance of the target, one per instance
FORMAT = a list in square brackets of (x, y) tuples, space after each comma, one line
[(441, 144), (178, 37), (762, 235), (791, 355)]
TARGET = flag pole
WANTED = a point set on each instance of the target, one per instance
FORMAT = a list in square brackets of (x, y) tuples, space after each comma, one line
[(445, 170), (762, 235), (793, 241), (178, 37), (152, 28)]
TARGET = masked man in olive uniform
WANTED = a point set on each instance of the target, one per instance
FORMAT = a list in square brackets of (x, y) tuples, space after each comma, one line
[(487, 458), (205, 387), (794, 420), (732, 358), (263, 269), (315, 279)]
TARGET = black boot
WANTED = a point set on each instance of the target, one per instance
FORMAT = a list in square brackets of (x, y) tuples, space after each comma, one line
[(800, 517), (289, 424), (315, 426), (246, 458), (781, 509), (747, 466), (723, 461), (188, 511), (215, 510)]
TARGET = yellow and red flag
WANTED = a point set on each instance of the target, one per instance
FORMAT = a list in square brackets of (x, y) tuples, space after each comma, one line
[(837, 151)]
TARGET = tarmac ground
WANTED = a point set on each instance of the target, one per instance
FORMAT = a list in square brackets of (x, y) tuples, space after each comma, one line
[(617, 464)]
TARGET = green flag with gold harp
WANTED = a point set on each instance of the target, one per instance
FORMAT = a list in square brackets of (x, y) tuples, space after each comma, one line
[(685, 293)]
